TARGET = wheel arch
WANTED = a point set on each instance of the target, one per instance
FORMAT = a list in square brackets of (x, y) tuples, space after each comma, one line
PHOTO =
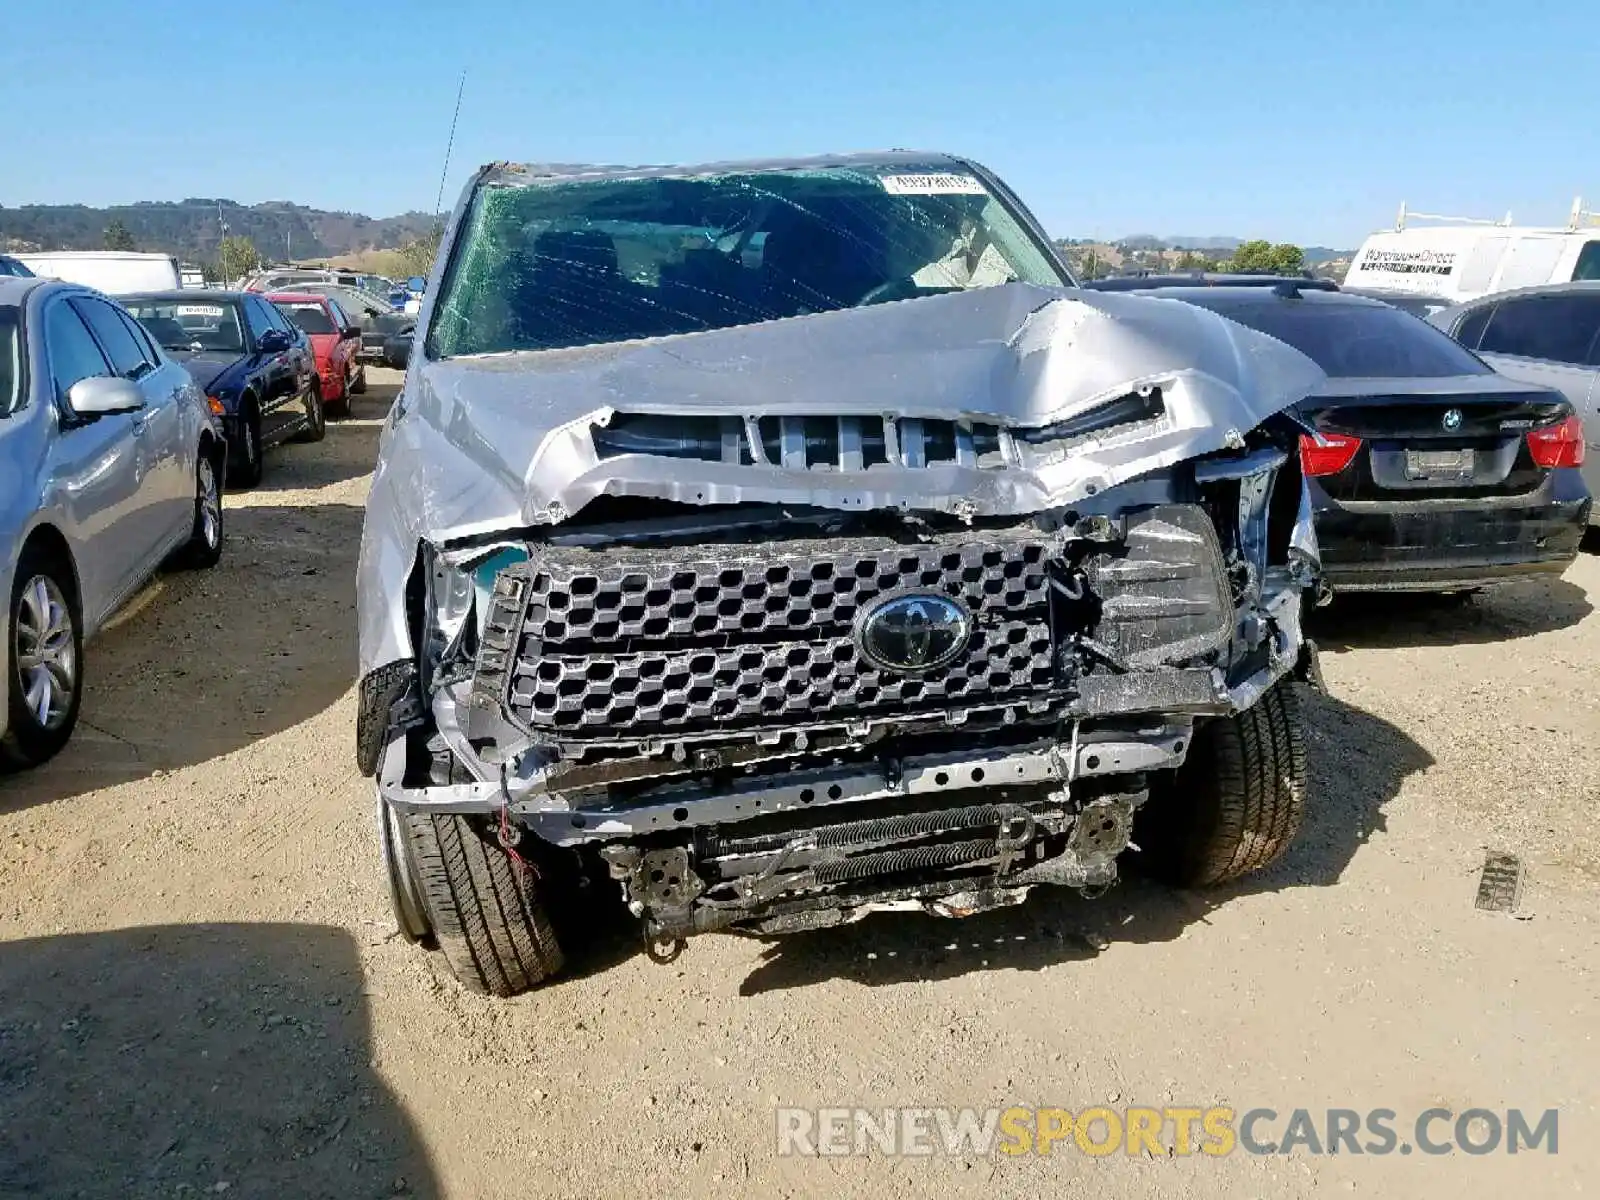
[(45, 538), (215, 448)]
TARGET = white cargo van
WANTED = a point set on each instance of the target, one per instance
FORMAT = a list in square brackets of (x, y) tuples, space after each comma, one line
[(1460, 259), (114, 272)]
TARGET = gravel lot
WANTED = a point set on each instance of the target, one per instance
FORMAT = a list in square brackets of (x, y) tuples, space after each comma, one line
[(201, 991)]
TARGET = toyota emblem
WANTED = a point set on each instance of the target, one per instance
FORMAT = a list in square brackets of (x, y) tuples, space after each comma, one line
[(912, 632)]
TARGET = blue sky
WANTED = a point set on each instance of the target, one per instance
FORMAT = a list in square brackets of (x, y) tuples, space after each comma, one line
[(1304, 122)]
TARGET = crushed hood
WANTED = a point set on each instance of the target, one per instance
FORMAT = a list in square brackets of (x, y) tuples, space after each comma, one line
[(502, 441)]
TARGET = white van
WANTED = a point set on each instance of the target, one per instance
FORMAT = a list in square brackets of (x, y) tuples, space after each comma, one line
[(114, 272), (1460, 259)]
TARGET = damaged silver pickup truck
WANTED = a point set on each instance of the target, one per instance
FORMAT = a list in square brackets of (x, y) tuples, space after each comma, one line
[(777, 543)]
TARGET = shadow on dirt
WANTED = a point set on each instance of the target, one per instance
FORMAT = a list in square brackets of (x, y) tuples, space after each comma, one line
[(205, 663), (1357, 764), (1377, 621), (349, 451), (177, 1059)]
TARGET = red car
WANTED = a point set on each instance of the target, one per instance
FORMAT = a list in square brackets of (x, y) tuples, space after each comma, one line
[(336, 341)]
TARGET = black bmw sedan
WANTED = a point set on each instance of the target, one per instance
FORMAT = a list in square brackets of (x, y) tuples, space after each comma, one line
[(1428, 471), (256, 368)]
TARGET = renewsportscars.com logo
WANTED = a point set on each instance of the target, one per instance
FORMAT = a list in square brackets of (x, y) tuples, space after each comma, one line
[(1159, 1132)]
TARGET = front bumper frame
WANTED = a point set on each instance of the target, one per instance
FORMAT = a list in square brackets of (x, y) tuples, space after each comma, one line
[(1161, 744)]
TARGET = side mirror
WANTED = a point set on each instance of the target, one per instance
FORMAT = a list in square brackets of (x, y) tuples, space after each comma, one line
[(102, 396), (350, 331)]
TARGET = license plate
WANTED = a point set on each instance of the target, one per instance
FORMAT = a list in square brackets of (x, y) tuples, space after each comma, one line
[(1439, 464)]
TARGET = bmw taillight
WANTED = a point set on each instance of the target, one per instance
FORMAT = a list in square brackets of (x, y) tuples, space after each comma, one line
[(1327, 453), (1558, 445)]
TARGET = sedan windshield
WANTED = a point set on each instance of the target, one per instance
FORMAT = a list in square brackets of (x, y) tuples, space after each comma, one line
[(10, 362), (1353, 340), (308, 315), (189, 325), (572, 263)]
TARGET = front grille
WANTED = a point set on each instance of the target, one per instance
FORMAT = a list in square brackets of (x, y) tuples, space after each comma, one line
[(637, 640)]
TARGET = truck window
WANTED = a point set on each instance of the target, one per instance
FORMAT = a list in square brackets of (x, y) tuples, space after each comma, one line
[(1556, 328), (1588, 265), (1532, 261)]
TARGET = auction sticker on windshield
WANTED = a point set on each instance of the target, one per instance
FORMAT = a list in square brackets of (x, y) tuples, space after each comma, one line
[(932, 185), (200, 310)]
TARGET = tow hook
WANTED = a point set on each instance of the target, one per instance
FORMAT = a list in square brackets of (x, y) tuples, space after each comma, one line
[(663, 948)]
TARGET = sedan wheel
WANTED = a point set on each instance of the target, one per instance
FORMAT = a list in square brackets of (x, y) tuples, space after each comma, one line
[(46, 654), (316, 420), (247, 453), (204, 547)]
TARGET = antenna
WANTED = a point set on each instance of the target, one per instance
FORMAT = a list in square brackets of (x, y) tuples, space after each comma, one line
[(450, 145)]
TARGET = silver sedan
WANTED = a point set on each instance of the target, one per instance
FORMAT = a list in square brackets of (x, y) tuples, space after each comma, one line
[(110, 466)]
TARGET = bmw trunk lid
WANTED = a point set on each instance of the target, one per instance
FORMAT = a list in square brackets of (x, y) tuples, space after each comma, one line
[(1416, 439)]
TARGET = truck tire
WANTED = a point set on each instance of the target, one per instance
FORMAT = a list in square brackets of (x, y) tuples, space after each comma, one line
[(1236, 803), (483, 907)]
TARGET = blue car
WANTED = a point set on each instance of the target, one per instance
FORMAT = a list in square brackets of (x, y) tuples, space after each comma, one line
[(255, 366)]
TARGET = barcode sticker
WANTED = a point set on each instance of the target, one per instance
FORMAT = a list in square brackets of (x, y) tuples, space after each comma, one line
[(200, 310), (932, 185)]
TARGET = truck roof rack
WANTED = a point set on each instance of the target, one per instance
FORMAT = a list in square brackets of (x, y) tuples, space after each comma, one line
[(1578, 217), (1407, 215)]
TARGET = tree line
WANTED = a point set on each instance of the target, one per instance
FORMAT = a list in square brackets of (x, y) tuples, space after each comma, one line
[(239, 256), (1259, 257)]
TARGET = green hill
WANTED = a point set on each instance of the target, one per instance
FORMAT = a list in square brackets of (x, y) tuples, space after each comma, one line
[(192, 228)]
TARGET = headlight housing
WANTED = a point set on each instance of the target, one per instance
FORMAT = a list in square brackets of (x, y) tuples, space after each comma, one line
[(455, 599)]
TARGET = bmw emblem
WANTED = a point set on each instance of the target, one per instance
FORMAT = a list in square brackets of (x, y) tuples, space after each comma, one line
[(912, 632), (1452, 420)]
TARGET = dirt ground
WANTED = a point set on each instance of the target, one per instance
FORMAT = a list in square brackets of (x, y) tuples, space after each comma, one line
[(201, 991)]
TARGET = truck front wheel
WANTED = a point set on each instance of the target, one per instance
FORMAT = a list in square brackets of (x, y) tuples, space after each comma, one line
[(483, 906), (1236, 803)]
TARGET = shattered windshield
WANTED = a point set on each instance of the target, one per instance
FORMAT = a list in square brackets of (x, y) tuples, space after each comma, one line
[(574, 263)]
